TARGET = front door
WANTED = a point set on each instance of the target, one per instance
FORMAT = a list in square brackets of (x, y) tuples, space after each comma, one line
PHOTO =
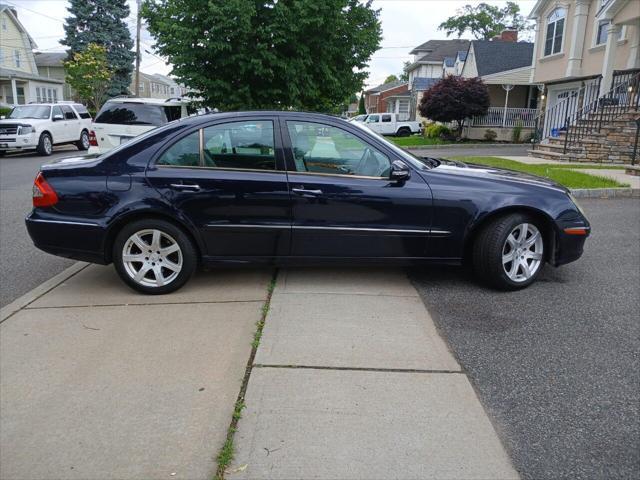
[(228, 181), (343, 201)]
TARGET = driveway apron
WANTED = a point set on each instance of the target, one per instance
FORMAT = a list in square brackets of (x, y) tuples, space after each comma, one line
[(100, 382), (352, 381)]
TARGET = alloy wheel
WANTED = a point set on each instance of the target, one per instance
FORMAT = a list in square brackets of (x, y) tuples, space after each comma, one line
[(152, 258), (46, 142), (522, 252), (85, 140)]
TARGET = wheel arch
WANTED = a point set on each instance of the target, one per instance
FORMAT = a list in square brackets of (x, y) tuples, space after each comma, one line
[(550, 230), (125, 219)]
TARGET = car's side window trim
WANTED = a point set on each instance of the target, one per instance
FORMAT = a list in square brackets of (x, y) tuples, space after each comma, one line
[(288, 149), (279, 163)]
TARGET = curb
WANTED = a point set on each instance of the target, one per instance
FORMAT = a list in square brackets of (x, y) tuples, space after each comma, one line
[(31, 296), (625, 192), (455, 146)]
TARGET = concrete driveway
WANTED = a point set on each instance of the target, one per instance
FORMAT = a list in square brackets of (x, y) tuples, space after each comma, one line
[(100, 382)]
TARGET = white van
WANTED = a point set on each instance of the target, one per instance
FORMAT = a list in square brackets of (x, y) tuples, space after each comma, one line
[(123, 118)]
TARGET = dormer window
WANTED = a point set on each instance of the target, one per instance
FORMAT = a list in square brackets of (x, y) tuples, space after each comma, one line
[(555, 31)]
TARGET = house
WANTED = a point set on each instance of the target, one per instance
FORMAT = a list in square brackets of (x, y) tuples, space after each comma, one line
[(151, 86), (505, 66), (51, 65), (20, 80), (388, 97), (587, 56), (431, 61), (175, 89)]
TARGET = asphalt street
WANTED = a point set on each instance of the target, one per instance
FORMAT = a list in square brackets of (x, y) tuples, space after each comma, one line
[(556, 365), (22, 266)]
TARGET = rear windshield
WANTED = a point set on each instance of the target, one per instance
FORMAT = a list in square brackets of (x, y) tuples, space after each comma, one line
[(137, 114), (82, 110)]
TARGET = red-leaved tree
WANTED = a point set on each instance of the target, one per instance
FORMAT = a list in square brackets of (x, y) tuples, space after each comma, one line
[(454, 99)]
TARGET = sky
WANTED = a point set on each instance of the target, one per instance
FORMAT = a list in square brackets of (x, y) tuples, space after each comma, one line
[(405, 24)]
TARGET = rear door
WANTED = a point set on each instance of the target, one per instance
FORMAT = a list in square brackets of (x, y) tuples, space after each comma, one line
[(387, 124), (71, 123), (343, 201), (228, 180)]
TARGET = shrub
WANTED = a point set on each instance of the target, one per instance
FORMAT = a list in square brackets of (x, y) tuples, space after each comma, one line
[(437, 130), (516, 132), (5, 111), (490, 135)]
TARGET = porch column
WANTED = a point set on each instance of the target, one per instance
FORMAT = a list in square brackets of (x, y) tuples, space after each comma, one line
[(634, 47), (609, 58), (574, 64), (397, 105), (14, 91), (536, 40)]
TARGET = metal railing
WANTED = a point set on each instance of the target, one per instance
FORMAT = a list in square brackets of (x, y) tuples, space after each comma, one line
[(505, 117), (622, 97), (556, 119)]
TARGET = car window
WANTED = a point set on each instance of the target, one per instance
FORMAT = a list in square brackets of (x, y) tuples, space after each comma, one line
[(386, 118), (184, 153), (137, 114), (56, 111), (319, 148), (373, 119), (246, 145), (68, 113), (82, 110)]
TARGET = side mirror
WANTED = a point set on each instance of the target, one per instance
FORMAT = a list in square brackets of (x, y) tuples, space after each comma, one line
[(57, 117), (399, 171)]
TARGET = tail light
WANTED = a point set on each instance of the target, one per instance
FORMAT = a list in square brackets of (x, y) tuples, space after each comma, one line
[(93, 141), (43, 194)]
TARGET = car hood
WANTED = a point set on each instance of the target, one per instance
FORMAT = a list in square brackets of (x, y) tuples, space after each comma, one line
[(497, 174), (23, 121)]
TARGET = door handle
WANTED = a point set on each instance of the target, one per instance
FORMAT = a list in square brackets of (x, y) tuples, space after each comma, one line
[(302, 191), (192, 187)]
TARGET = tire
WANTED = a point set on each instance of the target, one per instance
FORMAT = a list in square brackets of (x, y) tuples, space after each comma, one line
[(138, 240), (83, 143), (2, 153), (45, 145), (404, 132), (499, 241)]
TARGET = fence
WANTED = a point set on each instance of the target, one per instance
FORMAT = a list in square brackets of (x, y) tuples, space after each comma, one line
[(506, 117)]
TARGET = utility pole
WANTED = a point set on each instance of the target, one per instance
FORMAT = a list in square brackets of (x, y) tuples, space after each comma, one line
[(138, 27)]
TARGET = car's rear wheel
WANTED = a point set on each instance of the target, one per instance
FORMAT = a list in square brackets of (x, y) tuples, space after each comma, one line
[(45, 145), (508, 253), (83, 143), (404, 132), (154, 256)]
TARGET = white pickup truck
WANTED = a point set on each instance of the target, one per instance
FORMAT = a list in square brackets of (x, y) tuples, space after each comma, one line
[(388, 124)]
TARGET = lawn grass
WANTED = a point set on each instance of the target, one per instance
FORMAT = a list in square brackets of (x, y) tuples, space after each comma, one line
[(563, 174), (418, 140)]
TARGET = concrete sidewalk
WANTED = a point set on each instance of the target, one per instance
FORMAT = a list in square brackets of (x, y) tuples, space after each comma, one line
[(352, 381), (99, 382)]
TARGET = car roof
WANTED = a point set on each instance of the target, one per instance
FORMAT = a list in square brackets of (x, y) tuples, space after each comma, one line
[(33, 104), (149, 101)]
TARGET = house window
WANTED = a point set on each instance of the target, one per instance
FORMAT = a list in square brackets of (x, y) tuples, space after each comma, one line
[(601, 35), (555, 31), (55, 95), (38, 97), (172, 91), (141, 87), (16, 58), (20, 91)]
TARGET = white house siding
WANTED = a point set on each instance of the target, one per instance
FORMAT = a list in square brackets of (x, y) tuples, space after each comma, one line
[(518, 76), (470, 69)]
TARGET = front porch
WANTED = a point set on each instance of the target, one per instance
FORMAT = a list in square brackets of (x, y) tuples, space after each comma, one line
[(19, 88)]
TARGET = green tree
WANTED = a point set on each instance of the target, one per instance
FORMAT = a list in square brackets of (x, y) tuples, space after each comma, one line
[(102, 22), (405, 71), (361, 108), (247, 54), (390, 78), (88, 74), (485, 21)]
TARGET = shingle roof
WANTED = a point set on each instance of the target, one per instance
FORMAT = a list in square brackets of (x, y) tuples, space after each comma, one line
[(437, 50), (449, 61), (386, 86), (50, 59), (493, 56), (424, 83)]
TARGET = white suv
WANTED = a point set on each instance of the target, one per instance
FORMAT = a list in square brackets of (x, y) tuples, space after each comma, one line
[(121, 119), (43, 125)]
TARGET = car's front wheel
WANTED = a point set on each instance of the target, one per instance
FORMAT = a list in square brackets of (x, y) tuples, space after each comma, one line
[(154, 256), (509, 252), (45, 145)]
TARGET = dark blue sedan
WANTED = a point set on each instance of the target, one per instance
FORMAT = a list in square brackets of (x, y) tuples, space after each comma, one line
[(295, 188)]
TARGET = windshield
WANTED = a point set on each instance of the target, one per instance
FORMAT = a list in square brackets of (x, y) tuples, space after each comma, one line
[(418, 162), (40, 112), (137, 114)]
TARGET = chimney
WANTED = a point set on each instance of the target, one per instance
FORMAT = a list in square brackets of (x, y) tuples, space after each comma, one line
[(509, 35)]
